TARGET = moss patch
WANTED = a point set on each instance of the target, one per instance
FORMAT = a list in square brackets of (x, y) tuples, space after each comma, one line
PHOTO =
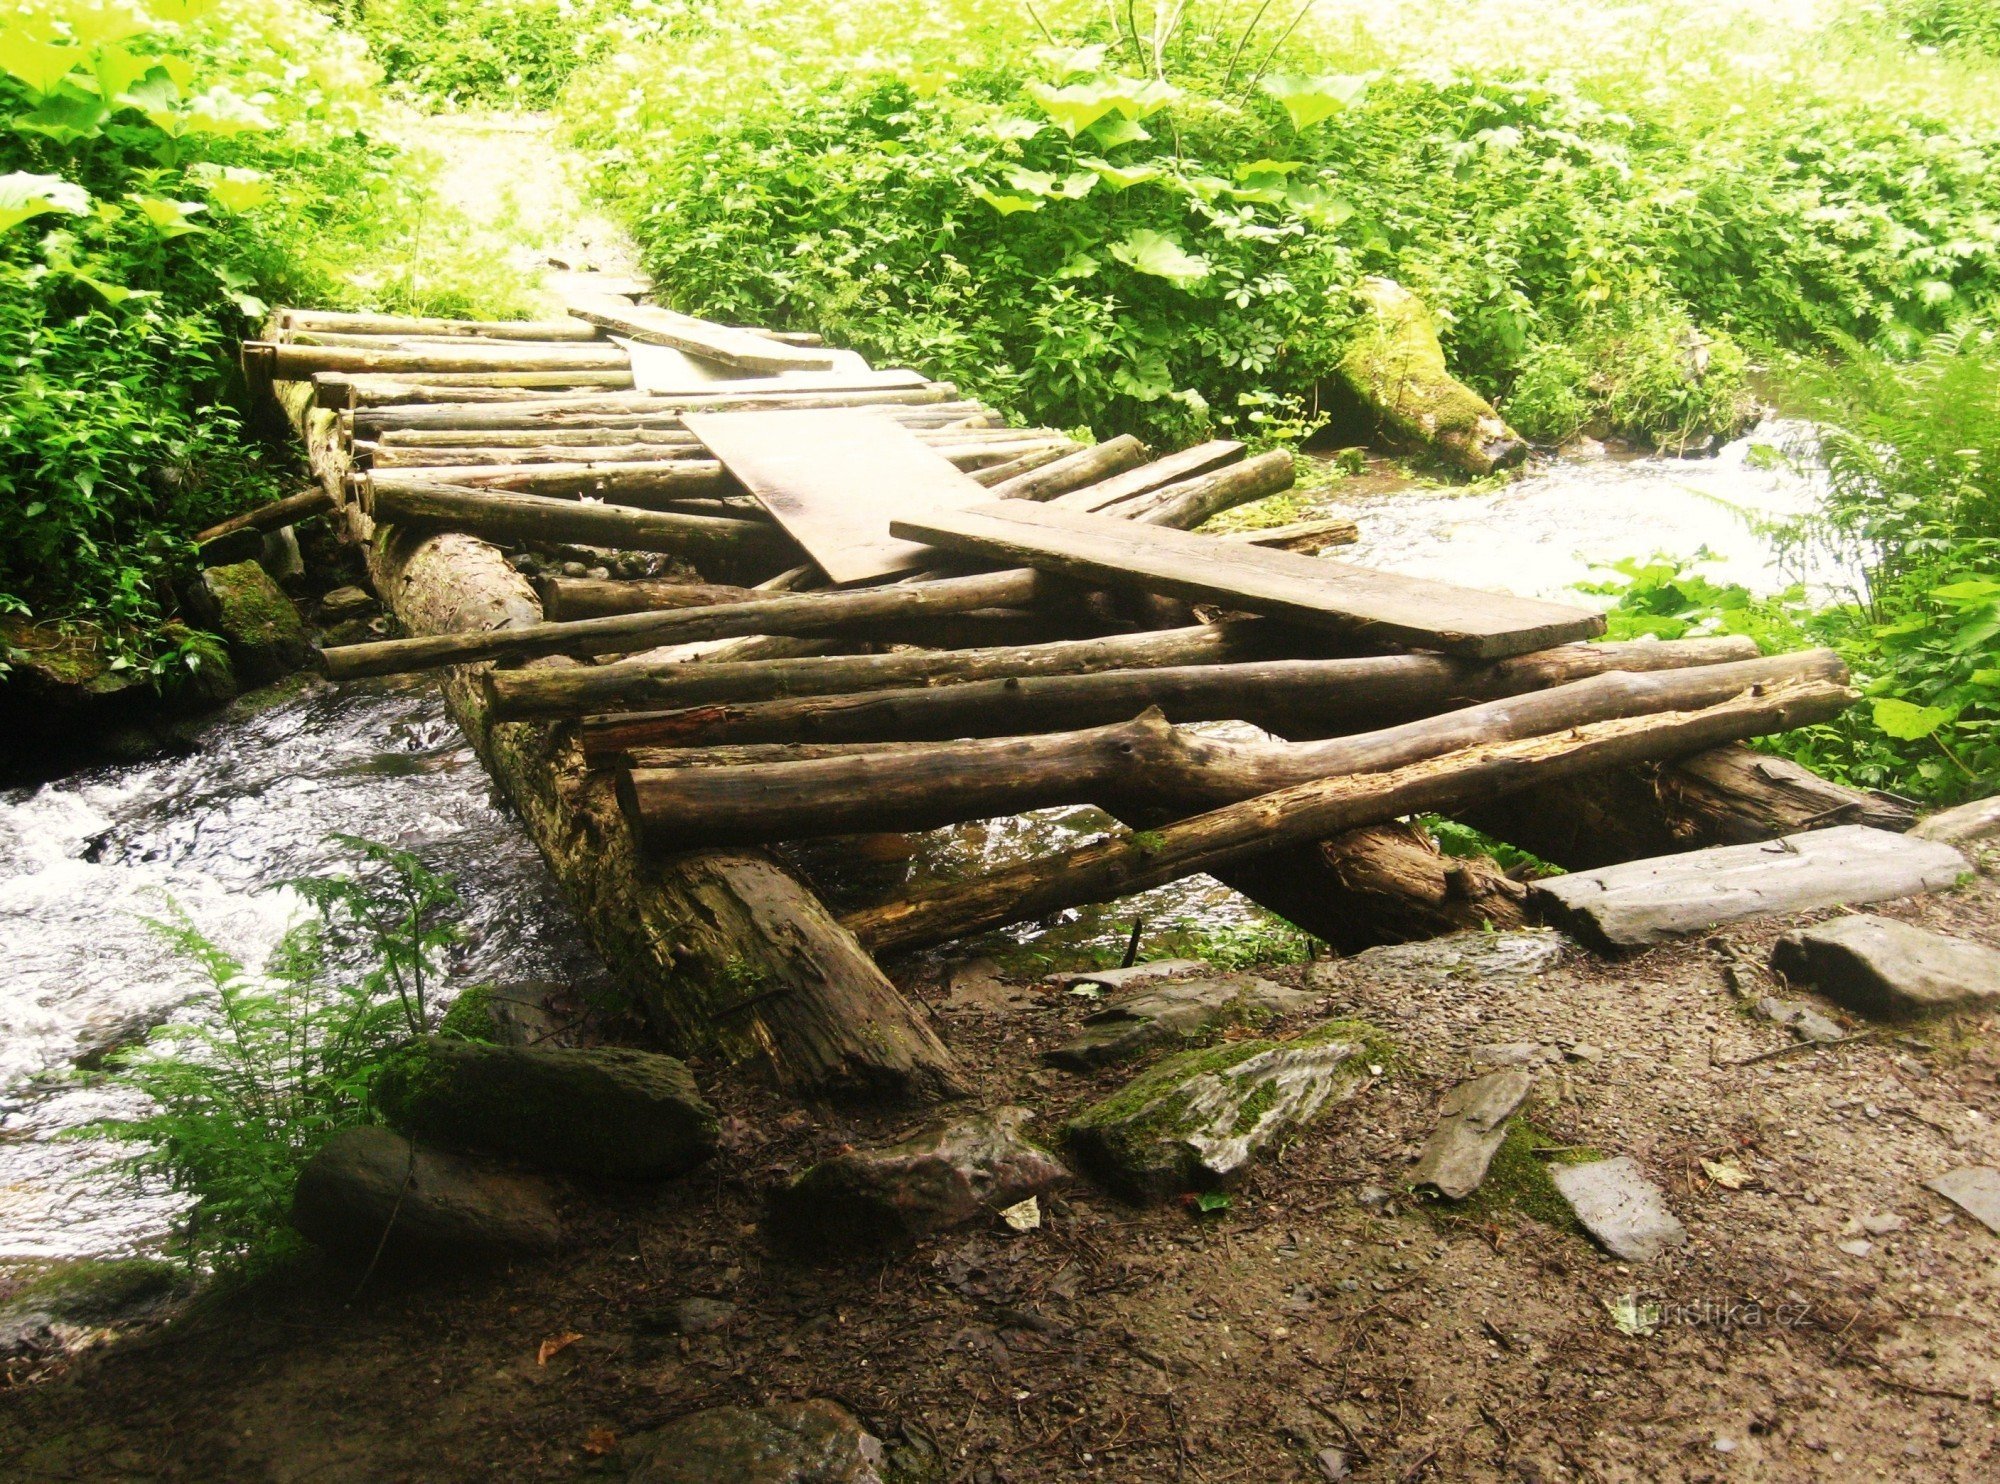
[(470, 1017), (1517, 1183)]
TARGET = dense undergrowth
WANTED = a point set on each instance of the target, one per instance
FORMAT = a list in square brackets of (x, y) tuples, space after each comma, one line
[(167, 171)]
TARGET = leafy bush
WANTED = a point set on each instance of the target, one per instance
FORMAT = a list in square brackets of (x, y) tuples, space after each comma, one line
[(501, 53), (1971, 24), (1085, 237), (243, 1099)]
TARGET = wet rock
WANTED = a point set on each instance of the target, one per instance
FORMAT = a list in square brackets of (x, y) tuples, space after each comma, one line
[(1880, 967), (1975, 1190), (279, 555), (1176, 1011), (57, 1309), (1620, 1207), (1800, 1019), (368, 1182), (1476, 960), (242, 603), (1396, 366), (872, 1199), (1198, 1120), (522, 1014), (1979, 820), (607, 1111), (811, 1442), (700, 1316), (1471, 1127), (1133, 975), (346, 602)]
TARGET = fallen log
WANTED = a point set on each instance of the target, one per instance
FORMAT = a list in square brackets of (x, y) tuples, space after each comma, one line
[(300, 362), (651, 412), (397, 324), (1085, 467), (1306, 537), (1026, 463), (285, 512), (1324, 807), (1187, 504), (1298, 699), (568, 598), (343, 392), (1732, 796), (628, 685), (1145, 765), (642, 486), (1189, 462), (789, 614)]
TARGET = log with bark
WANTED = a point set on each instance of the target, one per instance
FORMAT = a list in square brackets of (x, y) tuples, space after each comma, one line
[(639, 410), (1075, 471), (1203, 458), (1324, 807), (288, 511), (1298, 699), (397, 324), (300, 362), (1146, 765), (1306, 537)]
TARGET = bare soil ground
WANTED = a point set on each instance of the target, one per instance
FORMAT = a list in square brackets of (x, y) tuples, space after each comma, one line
[(1323, 1309)]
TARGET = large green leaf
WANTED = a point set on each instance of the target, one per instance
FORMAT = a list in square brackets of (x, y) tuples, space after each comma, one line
[(1310, 100), (1063, 187), (117, 70), (1906, 721), (42, 65), (1111, 132), (1074, 108), (1147, 251), (168, 218), (1072, 61), (24, 197), (1120, 177), (1007, 205)]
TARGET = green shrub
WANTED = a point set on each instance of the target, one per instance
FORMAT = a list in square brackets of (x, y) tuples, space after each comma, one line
[(500, 53), (287, 1056), (1973, 25)]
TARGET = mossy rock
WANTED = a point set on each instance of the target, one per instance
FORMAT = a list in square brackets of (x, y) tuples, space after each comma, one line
[(86, 1293), (1197, 1121), (606, 1111), (1396, 365), (266, 637)]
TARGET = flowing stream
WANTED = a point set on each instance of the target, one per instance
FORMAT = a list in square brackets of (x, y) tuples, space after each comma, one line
[(86, 860)]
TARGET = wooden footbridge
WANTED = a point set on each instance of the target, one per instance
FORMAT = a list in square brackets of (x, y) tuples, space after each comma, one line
[(829, 599)]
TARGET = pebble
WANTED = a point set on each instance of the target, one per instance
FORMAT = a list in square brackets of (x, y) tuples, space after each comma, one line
[(1584, 1051), (1856, 1248)]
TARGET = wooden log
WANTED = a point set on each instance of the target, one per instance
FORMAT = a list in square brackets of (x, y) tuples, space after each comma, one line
[(343, 391), (656, 412), (628, 685), (568, 598), (654, 325), (285, 512), (1187, 504), (1655, 901), (301, 362), (584, 444), (1085, 467), (728, 953), (1306, 537), (1359, 602), (790, 614), (397, 324), (1175, 467), (1324, 807), (1143, 765), (1299, 699), (641, 485), (1022, 464)]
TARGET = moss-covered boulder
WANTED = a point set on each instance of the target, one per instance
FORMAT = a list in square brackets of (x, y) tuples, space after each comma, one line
[(56, 1308), (872, 1200), (1396, 366), (371, 1189), (602, 1110), (266, 637), (1197, 1121)]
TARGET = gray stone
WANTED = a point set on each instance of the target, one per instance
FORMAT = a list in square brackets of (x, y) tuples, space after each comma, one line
[(1176, 1011), (1620, 1207), (1888, 969), (346, 602), (1126, 978), (1975, 1190), (368, 1182), (700, 1316), (1199, 1119), (604, 1110), (1472, 1124), (259, 623), (1656, 901), (811, 1442), (1800, 1019), (279, 555), (60, 1306), (876, 1199), (1979, 820), (1510, 1054), (1479, 960), (521, 1014)]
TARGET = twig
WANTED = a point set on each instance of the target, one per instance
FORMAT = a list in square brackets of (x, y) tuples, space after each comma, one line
[(1801, 1046), (409, 1178)]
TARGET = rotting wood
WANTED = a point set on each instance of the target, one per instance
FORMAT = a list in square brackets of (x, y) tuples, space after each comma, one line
[(1298, 699), (1142, 765), (1357, 602), (1325, 807)]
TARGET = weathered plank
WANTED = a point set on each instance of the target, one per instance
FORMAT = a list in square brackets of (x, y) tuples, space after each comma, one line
[(1655, 901), (700, 337), (1376, 607), (834, 479)]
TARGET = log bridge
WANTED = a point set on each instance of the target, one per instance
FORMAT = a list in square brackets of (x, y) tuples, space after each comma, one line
[(873, 606)]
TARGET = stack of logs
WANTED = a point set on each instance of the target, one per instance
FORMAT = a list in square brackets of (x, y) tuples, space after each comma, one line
[(657, 732)]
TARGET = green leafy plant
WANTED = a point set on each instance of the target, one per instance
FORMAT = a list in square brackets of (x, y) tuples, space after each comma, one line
[(282, 1058)]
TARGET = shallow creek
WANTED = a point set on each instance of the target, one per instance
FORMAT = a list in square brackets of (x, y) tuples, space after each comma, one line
[(86, 860)]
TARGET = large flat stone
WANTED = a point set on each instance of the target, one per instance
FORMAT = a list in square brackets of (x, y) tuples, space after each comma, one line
[(1975, 1190), (1655, 901), (1620, 1207), (371, 1187), (810, 1442), (1177, 1010), (1979, 820), (1490, 960), (877, 1199), (1472, 1124), (1198, 1120), (1888, 969)]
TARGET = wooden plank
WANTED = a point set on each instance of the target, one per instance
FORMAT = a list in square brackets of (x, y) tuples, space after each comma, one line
[(835, 479), (1369, 606), (700, 337), (1672, 896), (1175, 467)]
